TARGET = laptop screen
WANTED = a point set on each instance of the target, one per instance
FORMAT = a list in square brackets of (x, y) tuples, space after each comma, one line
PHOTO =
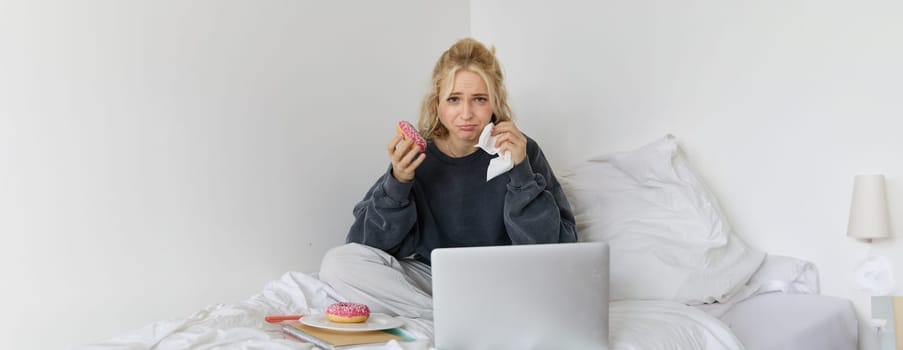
[(540, 296)]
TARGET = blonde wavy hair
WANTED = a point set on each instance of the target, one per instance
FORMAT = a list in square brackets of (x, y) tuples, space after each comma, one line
[(470, 55)]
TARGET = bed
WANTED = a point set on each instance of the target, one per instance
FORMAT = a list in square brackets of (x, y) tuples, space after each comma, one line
[(794, 321), (680, 277)]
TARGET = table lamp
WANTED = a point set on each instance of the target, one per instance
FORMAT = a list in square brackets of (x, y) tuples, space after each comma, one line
[(869, 218)]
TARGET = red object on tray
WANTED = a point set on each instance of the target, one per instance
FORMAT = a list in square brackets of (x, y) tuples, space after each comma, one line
[(280, 318)]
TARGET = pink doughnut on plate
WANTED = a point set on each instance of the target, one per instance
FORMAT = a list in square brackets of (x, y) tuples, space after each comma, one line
[(410, 133), (347, 312)]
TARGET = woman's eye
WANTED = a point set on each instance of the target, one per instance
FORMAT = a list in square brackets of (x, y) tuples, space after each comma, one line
[(452, 99), (481, 100)]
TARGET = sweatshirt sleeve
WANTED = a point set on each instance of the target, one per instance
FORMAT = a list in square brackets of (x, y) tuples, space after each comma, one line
[(536, 208), (386, 216)]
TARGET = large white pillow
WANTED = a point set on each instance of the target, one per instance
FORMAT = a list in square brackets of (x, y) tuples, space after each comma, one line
[(668, 237)]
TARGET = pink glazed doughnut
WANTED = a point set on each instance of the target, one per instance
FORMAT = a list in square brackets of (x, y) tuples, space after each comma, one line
[(410, 133), (347, 312)]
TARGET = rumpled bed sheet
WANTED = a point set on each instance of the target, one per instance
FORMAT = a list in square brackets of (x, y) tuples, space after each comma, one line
[(634, 325)]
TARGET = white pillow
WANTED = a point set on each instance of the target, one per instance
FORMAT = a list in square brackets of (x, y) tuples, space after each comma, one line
[(668, 237)]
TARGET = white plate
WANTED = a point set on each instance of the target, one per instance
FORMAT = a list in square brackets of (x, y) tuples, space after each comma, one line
[(376, 322)]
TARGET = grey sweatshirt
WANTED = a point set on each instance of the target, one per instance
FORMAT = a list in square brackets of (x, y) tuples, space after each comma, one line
[(450, 204)]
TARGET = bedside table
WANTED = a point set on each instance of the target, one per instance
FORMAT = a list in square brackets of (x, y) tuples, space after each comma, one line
[(887, 321)]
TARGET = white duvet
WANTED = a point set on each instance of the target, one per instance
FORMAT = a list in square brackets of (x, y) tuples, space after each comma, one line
[(643, 325)]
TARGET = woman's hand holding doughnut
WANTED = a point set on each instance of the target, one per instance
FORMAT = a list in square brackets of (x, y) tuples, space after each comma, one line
[(403, 152)]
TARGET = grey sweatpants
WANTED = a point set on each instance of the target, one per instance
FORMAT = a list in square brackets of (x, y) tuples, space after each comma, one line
[(368, 275)]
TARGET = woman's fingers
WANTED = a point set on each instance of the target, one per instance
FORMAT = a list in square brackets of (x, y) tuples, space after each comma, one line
[(510, 139), (393, 145), (403, 154), (416, 162), (409, 154), (505, 127)]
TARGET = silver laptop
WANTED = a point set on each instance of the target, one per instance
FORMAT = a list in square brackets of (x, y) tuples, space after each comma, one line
[(539, 296)]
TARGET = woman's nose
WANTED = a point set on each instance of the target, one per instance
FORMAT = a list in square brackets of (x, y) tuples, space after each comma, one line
[(467, 111)]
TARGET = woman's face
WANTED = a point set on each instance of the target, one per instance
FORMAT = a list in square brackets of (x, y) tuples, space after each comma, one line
[(467, 109)]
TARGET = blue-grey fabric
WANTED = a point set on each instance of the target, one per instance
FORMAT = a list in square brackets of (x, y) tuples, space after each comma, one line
[(450, 204)]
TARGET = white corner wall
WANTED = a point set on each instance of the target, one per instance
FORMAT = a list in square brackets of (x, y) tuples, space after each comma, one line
[(157, 157), (777, 103)]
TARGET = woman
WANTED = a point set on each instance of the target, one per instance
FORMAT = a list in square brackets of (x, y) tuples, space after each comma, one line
[(441, 198)]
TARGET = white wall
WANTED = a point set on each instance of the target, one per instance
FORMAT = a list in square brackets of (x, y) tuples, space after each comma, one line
[(160, 156), (157, 157), (777, 103)]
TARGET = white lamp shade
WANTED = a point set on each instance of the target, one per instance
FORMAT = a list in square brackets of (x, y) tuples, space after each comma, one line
[(869, 216)]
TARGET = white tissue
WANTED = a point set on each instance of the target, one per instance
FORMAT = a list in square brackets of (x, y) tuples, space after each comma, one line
[(874, 276), (498, 165)]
